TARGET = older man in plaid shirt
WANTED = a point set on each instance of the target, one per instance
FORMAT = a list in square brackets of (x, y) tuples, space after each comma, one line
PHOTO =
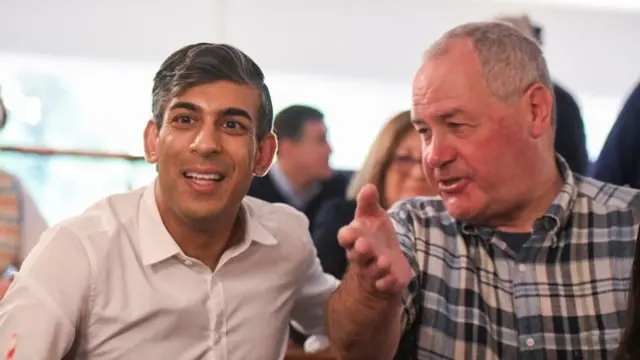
[(520, 258)]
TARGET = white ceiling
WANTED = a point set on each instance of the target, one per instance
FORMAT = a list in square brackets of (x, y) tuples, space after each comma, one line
[(611, 5)]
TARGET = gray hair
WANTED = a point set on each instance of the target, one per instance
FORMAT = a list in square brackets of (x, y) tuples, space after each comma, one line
[(204, 63), (511, 61)]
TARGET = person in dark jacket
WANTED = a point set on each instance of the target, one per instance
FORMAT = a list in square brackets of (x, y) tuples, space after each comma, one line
[(618, 162), (301, 177), (570, 141)]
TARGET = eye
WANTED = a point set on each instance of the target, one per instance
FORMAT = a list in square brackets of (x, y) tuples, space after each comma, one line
[(183, 119), (454, 125), (233, 126), (425, 131)]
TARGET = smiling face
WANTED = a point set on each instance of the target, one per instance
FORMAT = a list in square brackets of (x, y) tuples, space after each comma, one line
[(206, 150)]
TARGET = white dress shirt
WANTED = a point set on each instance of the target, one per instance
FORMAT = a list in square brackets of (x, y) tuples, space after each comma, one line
[(113, 284)]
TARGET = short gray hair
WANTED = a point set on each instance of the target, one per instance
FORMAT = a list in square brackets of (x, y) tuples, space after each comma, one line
[(511, 61), (203, 63)]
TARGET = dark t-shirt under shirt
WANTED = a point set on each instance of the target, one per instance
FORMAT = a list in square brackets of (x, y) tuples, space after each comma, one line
[(515, 241)]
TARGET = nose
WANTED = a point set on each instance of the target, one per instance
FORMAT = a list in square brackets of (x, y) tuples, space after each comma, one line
[(438, 153), (206, 141)]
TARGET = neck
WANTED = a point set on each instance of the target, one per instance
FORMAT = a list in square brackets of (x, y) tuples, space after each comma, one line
[(547, 185), (300, 183), (207, 239)]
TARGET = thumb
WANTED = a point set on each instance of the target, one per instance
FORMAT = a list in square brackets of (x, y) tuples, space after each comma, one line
[(368, 203)]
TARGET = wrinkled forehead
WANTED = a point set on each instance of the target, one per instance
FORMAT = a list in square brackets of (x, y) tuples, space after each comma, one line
[(447, 78)]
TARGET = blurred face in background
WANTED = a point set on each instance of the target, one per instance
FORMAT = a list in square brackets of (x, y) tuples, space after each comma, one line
[(404, 177), (310, 154)]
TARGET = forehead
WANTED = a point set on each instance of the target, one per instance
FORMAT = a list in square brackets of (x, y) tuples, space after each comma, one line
[(314, 128), (410, 141), (448, 78), (213, 97)]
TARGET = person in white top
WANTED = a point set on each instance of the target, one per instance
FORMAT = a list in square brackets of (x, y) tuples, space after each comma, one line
[(189, 267)]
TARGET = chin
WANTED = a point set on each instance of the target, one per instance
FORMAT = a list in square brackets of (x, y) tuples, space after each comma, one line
[(459, 210), (201, 213)]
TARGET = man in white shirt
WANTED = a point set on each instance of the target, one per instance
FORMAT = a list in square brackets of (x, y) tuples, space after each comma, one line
[(188, 267)]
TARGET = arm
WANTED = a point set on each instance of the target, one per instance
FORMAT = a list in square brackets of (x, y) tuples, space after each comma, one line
[(618, 161), (331, 217), (48, 298), (362, 326), (308, 314)]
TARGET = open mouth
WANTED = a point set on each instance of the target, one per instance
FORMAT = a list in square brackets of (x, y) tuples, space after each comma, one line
[(204, 179), (450, 182)]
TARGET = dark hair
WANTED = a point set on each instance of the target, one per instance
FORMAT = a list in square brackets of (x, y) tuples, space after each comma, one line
[(290, 122), (629, 348), (204, 63)]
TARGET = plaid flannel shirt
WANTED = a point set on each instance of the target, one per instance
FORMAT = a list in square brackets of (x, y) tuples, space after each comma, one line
[(562, 296)]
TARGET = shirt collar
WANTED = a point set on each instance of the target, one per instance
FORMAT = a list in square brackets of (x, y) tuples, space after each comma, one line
[(557, 215), (156, 244)]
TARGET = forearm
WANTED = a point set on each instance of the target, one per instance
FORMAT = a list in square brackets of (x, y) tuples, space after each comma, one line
[(362, 326)]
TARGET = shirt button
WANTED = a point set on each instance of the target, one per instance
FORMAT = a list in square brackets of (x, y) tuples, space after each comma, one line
[(530, 342), (522, 267)]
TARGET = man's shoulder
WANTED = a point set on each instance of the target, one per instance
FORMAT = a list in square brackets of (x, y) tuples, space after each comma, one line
[(428, 211), (285, 224), (92, 233), (608, 197), (276, 217), (104, 217), (430, 205)]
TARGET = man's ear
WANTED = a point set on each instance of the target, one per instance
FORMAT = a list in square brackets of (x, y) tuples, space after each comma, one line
[(265, 153), (539, 104), (151, 142)]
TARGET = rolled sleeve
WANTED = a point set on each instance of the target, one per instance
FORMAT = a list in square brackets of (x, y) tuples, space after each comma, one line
[(44, 305)]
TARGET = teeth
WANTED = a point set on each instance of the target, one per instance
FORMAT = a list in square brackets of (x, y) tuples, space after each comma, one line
[(205, 177)]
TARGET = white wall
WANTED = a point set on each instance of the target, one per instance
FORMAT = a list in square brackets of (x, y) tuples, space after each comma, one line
[(590, 51), (594, 53)]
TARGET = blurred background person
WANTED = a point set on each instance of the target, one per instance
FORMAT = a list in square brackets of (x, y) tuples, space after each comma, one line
[(570, 140), (393, 165), (301, 175), (619, 159), (21, 223)]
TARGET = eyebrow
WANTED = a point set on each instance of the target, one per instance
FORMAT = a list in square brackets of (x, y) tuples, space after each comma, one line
[(234, 111), (228, 111), (185, 105), (448, 115)]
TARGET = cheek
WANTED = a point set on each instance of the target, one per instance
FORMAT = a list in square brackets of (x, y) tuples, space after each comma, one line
[(244, 156)]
